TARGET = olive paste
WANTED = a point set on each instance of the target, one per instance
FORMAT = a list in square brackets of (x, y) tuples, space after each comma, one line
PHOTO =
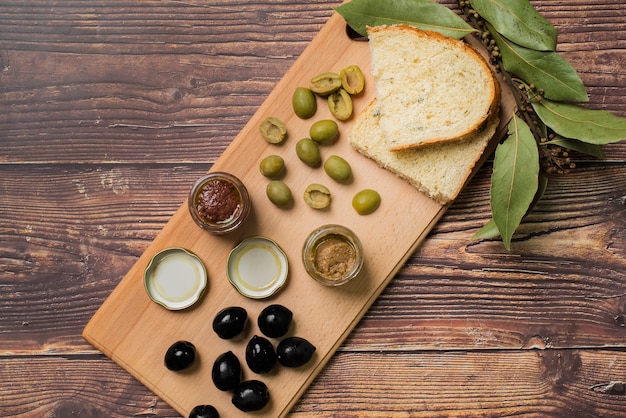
[(218, 201), (334, 257)]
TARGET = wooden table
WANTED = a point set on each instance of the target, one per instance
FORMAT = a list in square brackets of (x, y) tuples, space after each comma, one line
[(110, 110)]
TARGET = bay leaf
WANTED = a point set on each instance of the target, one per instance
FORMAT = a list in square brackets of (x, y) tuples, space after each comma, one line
[(423, 14), (545, 69), (490, 229), (515, 178), (518, 21), (595, 150), (577, 122), (487, 231)]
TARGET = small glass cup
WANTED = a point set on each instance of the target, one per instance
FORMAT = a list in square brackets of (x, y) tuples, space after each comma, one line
[(333, 255), (219, 202)]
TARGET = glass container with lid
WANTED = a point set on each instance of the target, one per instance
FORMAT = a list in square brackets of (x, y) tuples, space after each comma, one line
[(219, 202)]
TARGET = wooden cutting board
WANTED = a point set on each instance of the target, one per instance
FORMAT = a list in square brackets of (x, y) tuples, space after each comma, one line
[(135, 332)]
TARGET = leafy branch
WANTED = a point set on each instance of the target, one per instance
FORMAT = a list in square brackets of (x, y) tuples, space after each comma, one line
[(522, 46), (548, 123)]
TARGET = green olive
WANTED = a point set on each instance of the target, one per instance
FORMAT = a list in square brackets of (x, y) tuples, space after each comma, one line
[(325, 83), (272, 166), (337, 168), (324, 131), (308, 152), (317, 196), (352, 79), (340, 104), (366, 201), (303, 102), (278, 193), (273, 130)]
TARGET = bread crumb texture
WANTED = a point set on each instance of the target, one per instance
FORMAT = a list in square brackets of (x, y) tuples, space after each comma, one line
[(439, 171), (430, 88)]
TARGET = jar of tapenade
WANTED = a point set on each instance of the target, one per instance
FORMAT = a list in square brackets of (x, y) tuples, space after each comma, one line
[(219, 202), (332, 255)]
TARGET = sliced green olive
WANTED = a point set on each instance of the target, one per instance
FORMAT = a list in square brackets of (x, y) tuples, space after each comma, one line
[(352, 79), (303, 102), (366, 201), (325, 83), (340, 104), (273, 130), (317, 196)]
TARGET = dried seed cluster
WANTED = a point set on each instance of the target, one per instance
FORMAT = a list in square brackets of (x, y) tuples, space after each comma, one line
[(554, 159)]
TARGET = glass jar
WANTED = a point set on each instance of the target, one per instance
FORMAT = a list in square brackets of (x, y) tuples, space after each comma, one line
[(219, 202), (332, 255)]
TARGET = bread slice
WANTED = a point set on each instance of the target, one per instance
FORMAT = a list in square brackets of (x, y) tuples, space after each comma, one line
[(439, 171), (443, 85)]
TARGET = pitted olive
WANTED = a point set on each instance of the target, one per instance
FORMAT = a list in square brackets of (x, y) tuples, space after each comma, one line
[(204, 411), (352, 79), (272, 166), (273, 130), (230, 322), (274, 320), (338, 169), (278, 193), (260, 355), (294, 351), (366, 201), (324, 131), (251, 395), (340, 104), (308, 152), (180, 355), (303, 102), (226, 371)]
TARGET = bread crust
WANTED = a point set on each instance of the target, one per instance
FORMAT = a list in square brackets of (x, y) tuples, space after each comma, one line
[(439, 171)]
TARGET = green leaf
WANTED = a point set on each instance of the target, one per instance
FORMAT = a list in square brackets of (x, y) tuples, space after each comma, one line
[(545, 69), (490, 229), (514, 181), (518, 21), (577, 122), (595, 150), (423, 14), (487, 231)]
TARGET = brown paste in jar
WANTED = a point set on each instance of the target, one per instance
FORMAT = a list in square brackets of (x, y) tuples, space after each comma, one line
[(218, 201), (334, 257)]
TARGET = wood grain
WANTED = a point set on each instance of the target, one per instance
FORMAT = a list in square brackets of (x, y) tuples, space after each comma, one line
[(107, 114), (546, 383), (324, 316)]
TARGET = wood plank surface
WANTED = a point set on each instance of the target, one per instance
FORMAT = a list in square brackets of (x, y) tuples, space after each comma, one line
[(107, 117), (547, 383), (322, 315)]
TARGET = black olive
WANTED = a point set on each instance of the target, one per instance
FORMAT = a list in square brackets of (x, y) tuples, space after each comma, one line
[(294, 351), (226, 371), (251, 395), (229, 322), (204, 411), (180, 355), (274, 321), (260, 355)]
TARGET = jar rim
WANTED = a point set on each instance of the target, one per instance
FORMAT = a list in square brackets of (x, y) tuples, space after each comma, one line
[(321, 234), (239, 215)]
